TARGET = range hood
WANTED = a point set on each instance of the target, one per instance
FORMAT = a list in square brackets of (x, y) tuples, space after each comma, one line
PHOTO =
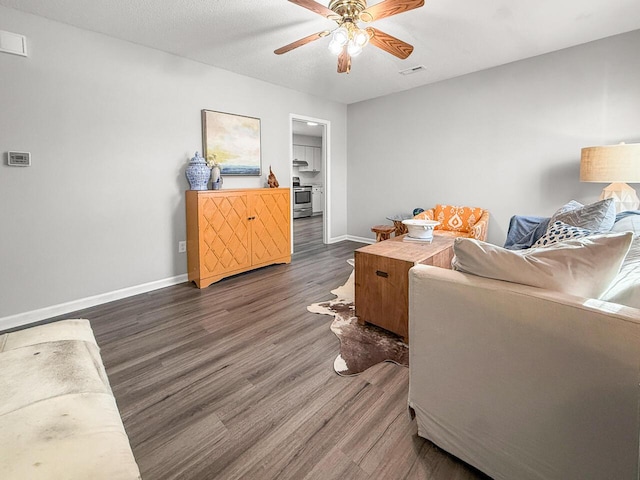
[(300, 163)]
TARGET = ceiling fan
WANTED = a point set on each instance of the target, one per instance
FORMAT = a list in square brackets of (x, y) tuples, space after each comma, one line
[(348, 39)]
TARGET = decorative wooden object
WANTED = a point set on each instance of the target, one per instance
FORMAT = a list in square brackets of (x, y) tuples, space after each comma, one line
[(272, 180), (383, 232), (382, 279), (400, 227), (232, 231)]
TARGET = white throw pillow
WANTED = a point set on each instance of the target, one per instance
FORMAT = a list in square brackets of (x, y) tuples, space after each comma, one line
[(625, 287), (584, 266), (560, 232)]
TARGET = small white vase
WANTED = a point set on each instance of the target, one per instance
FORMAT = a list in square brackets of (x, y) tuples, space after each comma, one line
[(216, 178)]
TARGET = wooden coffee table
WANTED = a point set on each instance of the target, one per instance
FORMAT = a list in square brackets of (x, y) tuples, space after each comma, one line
[(382, 278)]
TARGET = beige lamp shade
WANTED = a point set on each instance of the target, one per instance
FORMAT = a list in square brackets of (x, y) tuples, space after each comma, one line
[(617, 164), (611, 163)]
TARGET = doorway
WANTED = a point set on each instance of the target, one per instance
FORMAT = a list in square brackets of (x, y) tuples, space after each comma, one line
[(309, 166)]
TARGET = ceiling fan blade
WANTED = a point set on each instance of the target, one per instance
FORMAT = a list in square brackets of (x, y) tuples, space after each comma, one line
[(302, 41), (388, 43), (317, 8), (388, 8), (344, 61)]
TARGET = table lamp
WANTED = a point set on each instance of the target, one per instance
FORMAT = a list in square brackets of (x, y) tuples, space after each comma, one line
[(615, 164)]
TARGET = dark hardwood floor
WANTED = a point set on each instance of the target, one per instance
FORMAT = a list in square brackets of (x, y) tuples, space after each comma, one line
[(236, 381)]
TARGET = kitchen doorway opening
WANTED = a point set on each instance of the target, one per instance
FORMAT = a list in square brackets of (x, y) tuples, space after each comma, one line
[(310, 188)]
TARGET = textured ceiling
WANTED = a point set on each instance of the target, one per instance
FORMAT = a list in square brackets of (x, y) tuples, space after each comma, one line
[(302, 128), (451, 37)]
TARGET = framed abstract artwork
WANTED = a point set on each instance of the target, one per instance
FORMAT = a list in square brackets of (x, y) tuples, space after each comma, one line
[(233, 141)]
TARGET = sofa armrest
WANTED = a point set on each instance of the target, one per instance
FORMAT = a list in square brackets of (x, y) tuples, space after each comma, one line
[(522, 382), (481, 228)]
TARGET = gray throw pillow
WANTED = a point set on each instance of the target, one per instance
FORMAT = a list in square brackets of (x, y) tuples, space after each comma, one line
[(597, 217), (567, 207)]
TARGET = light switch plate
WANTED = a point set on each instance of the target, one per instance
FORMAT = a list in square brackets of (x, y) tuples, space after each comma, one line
[(19, 159)]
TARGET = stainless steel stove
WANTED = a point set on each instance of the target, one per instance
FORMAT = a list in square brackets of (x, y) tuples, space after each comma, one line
[(301, 199)]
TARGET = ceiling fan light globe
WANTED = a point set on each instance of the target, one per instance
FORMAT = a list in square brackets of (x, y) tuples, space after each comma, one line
[(361, 38), (341, 36), (335, 47), (354, 49)]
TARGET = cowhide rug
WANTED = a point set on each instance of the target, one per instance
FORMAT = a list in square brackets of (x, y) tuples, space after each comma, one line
[(361, 346)]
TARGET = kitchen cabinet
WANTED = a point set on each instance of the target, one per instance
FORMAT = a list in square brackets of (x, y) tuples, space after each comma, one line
[(232, 231), (317, 199), (311, 155), (299, 153)]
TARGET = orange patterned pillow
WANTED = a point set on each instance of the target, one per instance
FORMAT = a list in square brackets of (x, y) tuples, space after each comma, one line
[(424, 215), (457, 219)]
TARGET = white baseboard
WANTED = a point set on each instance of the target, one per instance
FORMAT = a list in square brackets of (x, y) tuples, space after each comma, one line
[(339, 239), (353, 238), (26, 318)]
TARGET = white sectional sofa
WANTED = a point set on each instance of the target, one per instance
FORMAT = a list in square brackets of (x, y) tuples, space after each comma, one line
[(526, 382), (58, 416)]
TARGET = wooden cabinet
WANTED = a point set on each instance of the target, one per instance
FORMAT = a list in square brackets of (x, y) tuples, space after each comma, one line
[(232, 231), (382, 279)]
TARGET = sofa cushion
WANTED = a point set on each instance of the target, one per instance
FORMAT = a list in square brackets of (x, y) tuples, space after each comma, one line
[(457, 219), (559, 232), (584, 266), (598, 217), (625, 287)]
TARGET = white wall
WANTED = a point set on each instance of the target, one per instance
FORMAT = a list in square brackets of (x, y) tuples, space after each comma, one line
[(507, 139), (111, 126)]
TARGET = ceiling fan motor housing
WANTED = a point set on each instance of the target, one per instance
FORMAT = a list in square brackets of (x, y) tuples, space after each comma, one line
[(348, 8), (348, 39)]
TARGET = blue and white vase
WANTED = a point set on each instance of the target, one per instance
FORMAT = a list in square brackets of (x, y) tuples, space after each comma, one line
[(198, 173)]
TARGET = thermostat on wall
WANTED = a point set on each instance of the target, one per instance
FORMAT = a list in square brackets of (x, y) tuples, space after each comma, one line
[(19, 159)]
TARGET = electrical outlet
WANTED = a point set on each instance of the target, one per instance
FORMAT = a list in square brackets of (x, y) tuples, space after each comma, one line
[(182, 246)]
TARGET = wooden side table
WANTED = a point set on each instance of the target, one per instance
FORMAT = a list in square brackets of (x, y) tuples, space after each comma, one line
[(382, 279), (383, 232)]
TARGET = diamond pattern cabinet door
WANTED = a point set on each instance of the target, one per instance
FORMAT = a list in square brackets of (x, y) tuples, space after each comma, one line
[(224, 233), (271, 227), (232, 231)]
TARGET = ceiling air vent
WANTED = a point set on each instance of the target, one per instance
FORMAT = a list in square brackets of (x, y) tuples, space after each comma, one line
[(416, 69)]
